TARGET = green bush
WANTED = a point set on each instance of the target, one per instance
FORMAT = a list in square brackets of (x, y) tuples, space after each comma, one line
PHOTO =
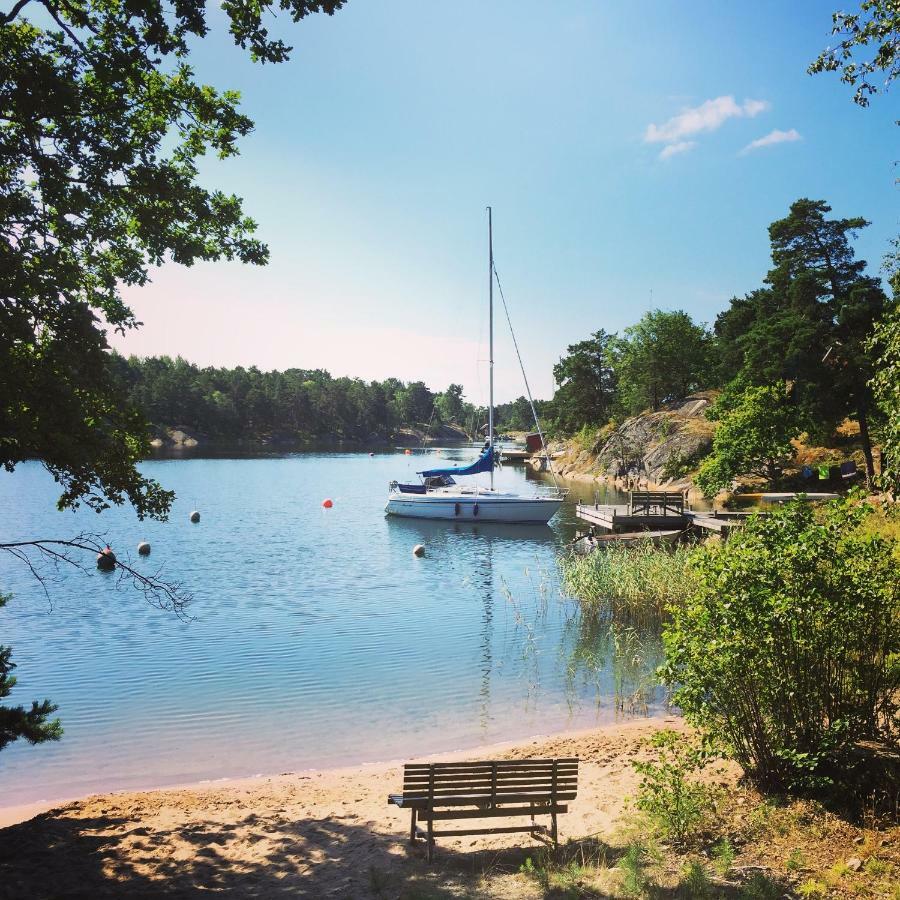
[(676, 803), (786, 653)]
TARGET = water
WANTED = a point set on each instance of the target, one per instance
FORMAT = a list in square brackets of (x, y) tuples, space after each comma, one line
[(318, 639)]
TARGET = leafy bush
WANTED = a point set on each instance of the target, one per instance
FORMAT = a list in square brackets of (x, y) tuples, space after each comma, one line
[(787, 651), (677, 804)]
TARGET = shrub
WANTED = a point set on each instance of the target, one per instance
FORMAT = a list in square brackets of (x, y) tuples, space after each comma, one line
[(786, 652), (677, 804)]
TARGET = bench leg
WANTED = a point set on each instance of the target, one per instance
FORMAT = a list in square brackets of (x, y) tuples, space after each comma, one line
[(554, 832), (412, 827), (430, 840)]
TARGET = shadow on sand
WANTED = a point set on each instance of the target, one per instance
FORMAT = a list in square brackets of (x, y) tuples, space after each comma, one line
[(64, 855)]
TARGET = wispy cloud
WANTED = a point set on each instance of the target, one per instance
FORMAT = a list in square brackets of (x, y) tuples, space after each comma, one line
[(673, 149), (707, 116), (773, 137)]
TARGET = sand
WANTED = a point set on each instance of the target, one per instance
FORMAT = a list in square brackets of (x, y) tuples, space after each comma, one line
[(323, 833)]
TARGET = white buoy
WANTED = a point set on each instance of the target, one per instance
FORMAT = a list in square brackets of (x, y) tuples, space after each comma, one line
[(195, 517), (144, 548), (419, 550)]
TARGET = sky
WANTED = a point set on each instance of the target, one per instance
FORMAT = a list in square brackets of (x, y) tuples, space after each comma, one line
[(633, 153)]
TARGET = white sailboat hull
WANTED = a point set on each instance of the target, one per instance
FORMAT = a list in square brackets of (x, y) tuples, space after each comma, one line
[(474, 508)]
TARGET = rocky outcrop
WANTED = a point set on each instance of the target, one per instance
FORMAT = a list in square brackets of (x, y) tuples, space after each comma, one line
[(661, 448)]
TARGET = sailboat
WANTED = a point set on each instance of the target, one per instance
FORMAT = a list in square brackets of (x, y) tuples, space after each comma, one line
[(439, 496)]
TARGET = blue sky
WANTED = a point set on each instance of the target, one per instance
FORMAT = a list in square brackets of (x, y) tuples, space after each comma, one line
[(612, 140)]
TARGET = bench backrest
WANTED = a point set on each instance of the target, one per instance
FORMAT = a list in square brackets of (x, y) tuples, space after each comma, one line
[(647, 500), (490, 782)]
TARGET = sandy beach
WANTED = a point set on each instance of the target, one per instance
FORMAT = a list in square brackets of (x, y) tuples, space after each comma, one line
[(326, 833)]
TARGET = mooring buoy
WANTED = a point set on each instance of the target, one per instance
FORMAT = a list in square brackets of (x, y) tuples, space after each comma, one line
[(106, 559), (419, 550), (144, 548), (195, 517), (327, 503)]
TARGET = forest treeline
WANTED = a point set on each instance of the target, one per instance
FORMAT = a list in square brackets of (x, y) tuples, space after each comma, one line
[(296, 405)]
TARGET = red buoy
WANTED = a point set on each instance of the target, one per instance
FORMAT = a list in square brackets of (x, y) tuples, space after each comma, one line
[(327, 503)]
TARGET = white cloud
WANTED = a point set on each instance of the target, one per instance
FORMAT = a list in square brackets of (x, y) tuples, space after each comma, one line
[(773, 137), (707, 116), (672, 149)]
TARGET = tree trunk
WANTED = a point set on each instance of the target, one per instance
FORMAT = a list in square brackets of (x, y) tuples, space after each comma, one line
[(866, 444)]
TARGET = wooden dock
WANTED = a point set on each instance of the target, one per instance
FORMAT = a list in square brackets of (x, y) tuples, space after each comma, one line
[(658, 512)]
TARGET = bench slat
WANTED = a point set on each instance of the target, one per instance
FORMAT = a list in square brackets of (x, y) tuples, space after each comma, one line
[(448, 814), (463, 780), (487, 773), (421, 801), (500, 763), (501, 788)]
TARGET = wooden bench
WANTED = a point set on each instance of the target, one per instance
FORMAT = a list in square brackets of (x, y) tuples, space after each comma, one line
[(642, 502), (505, 788)]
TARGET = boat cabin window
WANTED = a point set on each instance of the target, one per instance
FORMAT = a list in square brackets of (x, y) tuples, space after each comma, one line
[(436, 481)]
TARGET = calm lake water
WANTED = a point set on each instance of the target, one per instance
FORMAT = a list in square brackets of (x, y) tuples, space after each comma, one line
[(318, 639)]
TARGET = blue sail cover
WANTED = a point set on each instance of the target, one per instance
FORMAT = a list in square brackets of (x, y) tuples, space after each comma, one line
[(484, 463)]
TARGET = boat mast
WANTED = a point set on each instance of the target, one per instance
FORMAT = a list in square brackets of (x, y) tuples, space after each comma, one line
[(491, 341)]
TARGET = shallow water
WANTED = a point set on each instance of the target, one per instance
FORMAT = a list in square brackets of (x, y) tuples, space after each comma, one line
[(318, 639)]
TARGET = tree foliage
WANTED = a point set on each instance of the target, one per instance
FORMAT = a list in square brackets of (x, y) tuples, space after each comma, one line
[(248, 405), (787, 654), (586, 383), (885, 344), (34, 723), (664, 357), (753, 437), (102, 123), (876, 24), (809, 324)]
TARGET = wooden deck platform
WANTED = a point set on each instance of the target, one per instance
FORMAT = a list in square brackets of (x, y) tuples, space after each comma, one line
[(618, 518)]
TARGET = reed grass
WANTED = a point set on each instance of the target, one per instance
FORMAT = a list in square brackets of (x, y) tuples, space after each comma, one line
[(636, 584)]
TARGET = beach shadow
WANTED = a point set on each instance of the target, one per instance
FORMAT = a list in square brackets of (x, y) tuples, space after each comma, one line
[(66, 855)]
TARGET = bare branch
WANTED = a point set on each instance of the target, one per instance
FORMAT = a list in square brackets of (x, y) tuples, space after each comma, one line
[(6, 18), (166, 595)]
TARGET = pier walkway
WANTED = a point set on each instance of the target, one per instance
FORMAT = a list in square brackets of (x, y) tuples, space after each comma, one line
[(658, 511)]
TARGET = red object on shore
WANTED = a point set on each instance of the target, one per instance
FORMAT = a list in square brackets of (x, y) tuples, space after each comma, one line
[(327, 503), (533, 443)]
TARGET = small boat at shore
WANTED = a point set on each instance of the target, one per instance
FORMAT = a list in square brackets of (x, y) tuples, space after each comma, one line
[(591, 542)]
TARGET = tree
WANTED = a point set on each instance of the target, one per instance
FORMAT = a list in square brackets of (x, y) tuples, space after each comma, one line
[(753, 437), (415, 404), (101, 126), (16, 722), (449, 404), (586, 384), (664, 357), (810, 323), (876, 23)]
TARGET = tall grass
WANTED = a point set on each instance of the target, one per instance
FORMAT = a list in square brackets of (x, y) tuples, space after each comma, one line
[(635, 584)]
